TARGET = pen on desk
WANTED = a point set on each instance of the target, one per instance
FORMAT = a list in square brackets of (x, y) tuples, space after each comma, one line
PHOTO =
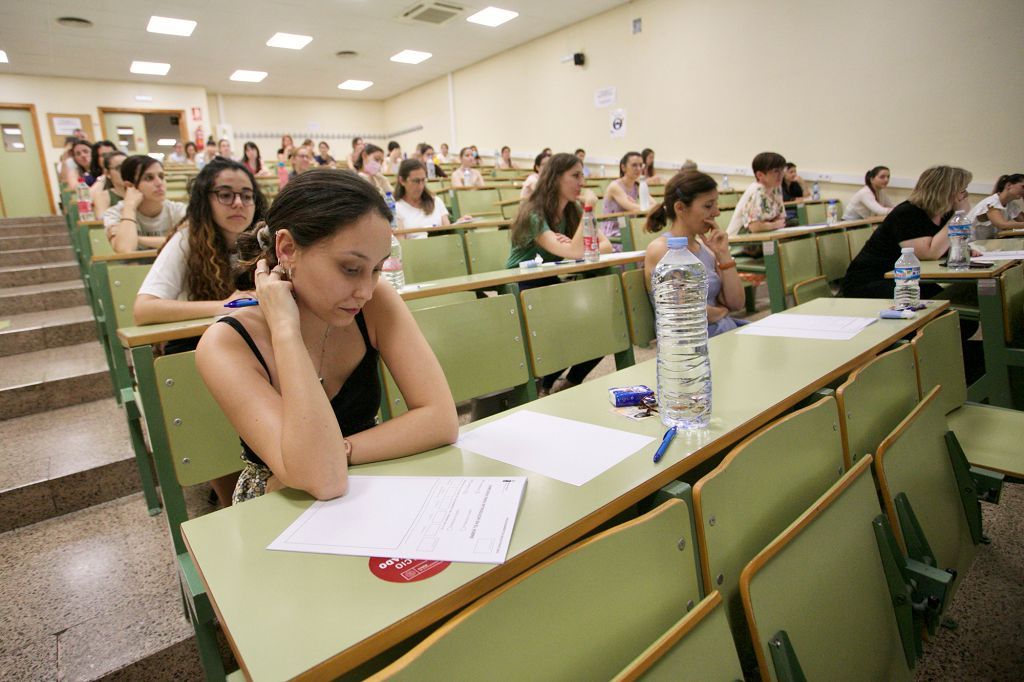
[(669, 435), (570, 261), (241, 303)]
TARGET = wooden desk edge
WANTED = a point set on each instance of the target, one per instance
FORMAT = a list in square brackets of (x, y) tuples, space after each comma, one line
[(114, 257), (756, 237), (187, 329), (999, 267)]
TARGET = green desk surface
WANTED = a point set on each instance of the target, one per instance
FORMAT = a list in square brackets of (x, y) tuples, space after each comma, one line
[(468, 225), (793, 232), (287, 613), (132, 337), (1001, 244)]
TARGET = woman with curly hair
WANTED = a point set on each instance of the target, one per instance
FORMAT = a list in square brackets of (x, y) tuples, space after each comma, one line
[(192, 274)]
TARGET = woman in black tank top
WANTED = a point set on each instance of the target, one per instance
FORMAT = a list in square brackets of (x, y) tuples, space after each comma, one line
[(297, 374)]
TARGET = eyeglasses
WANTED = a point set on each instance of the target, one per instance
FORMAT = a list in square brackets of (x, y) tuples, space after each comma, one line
[(227, 196)]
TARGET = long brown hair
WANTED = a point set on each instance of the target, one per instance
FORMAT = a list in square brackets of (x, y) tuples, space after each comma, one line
[(684, 186), (404, 170), (544, 201)]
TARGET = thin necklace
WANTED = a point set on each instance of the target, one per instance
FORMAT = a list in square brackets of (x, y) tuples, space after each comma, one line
[(323, 350)]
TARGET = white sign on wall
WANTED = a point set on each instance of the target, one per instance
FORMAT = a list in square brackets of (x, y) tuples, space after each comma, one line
[(617, 123), (66, 125), (604, 97)]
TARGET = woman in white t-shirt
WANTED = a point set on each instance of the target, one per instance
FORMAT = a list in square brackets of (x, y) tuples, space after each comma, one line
[(1000, 210), (415, 206), (144, 218), (870, 200), (466, 175), (191, 276)]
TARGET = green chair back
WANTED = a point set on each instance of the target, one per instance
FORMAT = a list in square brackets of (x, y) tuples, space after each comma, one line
[(724, 217), (588, 311), (698, 647), (798, 259), (639, 311), (475, 202), (1012, 285), (858, 237), (584, 614), (487, 250), (125, 281), (914, 461), (510, 211), (810, 289), (641, 238), (833, 254), (823, 584), (760, 488), (100, 244), (874, 400), (443, 299), (479, 345), (940, 361), (728, 200), (506, 193), (816, 213), (433, 258)]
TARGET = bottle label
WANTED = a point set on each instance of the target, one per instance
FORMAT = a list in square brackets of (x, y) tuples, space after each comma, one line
[(589, 243), (907, 274), (392, 264)]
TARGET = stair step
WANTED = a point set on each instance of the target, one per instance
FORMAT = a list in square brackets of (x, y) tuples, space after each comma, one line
[(33, 241), (27, 332), (22, 275), (34, 297), (33, 220), (36, 256), (52, 378), (33, 229)]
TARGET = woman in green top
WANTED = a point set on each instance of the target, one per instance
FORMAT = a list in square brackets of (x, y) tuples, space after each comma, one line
[(548, 225)]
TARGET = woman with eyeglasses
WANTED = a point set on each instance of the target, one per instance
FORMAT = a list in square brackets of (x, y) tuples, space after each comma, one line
[(192, 276), (920, 223), (145, 217), (109, 189)]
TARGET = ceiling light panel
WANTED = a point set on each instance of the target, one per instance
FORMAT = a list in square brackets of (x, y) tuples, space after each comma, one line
[(492, 16), (166, 142), (248, 76), (353, 84), (151, 68), (289, 41), (171, 27), (411, 57)]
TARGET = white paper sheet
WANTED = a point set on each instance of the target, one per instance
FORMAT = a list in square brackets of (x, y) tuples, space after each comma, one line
[(999, 255), (566, 450), (828, 327), (461, 518)]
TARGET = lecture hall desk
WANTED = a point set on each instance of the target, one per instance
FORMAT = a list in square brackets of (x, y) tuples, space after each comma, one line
[(317, 616)]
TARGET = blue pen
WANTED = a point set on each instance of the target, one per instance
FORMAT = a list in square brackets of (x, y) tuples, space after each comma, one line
[(241, 303), (669, 435)]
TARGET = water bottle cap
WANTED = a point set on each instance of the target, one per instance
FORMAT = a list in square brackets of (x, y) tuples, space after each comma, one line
[(587, 208), (833, 201), (678, 242), (907, 249)]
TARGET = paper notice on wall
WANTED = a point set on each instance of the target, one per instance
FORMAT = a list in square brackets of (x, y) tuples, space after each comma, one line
[(617, 123), (66, 125), (604, 97)]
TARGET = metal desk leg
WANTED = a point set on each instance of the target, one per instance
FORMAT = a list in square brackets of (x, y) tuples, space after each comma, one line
[(995, 385), (773, 275)]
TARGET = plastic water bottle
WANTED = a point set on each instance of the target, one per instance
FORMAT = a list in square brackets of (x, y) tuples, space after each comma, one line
[(644, 193), (832, 212), (908, 279), (959, 228), (680, 288), (467, 178), (591, 252), (392, 267), (389, 199), (84, 202), (431, 169), (816, 191), (603, 171), (725, 182), (282, 175)]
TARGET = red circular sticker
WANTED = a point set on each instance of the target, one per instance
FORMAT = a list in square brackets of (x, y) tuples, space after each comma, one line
[(405, 570)]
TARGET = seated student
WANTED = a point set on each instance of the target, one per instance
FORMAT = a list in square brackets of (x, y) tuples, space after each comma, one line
[(145, 218), (324, 158), (652, 176), (426, 155), (178, 155), (302, 161), (530, 183), (224, 149), (443, 156), (793, 186), (581, 154), (466, 175), (760, 207), (870, 200), (623, 194), (1001, 210), (369, 165), (96, 158), (284, 153), (689, 210), (357, 150), (209, 154), (191, 153), (415, 206), (109, 189), (504, 161), (297, 375), (76, 166), (394, 158), (549, 225), (252, 160), (918, 222)]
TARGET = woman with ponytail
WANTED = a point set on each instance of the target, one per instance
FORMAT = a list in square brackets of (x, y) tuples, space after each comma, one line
[(870, 200), (1001, 210), (689, 210), (297, 375)]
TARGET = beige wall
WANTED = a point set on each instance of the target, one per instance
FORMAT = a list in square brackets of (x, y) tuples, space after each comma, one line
[(424, 107), (79, 96)]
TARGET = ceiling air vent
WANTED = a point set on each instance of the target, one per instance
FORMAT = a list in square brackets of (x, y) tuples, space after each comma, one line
[(434, 13)]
